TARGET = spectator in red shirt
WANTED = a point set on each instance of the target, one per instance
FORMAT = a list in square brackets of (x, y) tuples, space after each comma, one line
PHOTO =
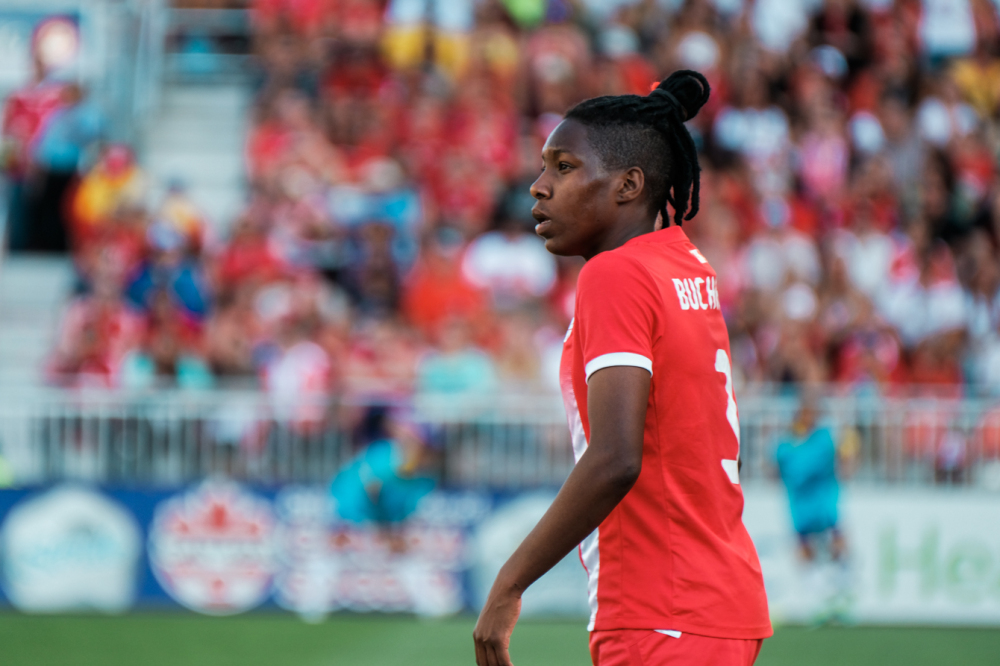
[(436, 290), (97, 330)]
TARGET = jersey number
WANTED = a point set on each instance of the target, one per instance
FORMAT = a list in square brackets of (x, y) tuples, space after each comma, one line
[(731, 467)]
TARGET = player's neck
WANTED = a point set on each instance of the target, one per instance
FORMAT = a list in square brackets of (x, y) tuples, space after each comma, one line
[(620, 233)]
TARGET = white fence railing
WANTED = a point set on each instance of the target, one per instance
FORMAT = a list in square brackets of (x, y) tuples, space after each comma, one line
[(168, 437)]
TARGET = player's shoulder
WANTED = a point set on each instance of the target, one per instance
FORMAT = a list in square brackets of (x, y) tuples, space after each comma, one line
[(613, 265)]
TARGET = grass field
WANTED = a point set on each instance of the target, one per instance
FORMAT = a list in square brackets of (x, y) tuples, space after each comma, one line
[(281, 640)]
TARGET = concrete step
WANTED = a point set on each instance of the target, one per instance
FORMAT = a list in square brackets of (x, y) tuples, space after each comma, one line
[(34, 281), (198, 137), (32, 327), (180, 139), (30, 347), (34, 291), (213, 98), (28, 331), (47, 268), (21, 378), (206, 168), (231, 125), (15, 313)]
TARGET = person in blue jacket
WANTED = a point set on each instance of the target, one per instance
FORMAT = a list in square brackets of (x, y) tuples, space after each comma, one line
[(807, 463), (385, 482)]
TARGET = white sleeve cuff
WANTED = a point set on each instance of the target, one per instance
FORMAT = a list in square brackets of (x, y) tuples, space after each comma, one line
[(619, 358)]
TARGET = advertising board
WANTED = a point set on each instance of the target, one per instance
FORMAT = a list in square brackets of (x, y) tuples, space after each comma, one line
[(70, 548), (329, 565), (212, 548), (913, 557)]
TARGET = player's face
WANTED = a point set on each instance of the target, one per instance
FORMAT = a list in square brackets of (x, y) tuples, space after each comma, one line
[(575, 199)]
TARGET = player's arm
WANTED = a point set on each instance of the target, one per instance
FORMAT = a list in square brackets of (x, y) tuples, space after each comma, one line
[(616, 399)]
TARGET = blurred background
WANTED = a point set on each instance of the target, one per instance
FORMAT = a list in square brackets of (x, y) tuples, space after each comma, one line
[(276, 332)]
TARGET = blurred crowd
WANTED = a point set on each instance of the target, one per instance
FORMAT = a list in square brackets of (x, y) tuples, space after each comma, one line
[(850, 201)]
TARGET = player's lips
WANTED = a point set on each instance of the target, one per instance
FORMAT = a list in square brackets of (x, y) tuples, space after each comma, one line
[(542, 227), (544, 221)]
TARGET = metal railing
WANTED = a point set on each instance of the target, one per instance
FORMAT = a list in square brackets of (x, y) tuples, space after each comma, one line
[(162, 438), (885, 440)]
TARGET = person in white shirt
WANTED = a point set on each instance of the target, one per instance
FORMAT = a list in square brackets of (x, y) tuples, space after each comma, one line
[(511, 262)]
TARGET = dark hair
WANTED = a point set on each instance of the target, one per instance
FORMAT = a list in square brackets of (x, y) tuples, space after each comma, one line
[(648, 132)]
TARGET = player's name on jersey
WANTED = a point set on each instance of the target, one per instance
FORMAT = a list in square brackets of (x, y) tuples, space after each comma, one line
[(697, 293)]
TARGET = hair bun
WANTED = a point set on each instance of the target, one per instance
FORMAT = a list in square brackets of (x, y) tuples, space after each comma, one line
[(686, 90)]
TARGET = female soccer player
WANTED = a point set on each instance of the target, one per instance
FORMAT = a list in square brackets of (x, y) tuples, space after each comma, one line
[(654, 497)]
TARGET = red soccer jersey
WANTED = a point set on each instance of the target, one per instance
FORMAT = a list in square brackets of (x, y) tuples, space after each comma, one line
[(674, 554)]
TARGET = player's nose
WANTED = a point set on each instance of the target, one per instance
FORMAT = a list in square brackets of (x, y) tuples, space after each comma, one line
[(541, 189)]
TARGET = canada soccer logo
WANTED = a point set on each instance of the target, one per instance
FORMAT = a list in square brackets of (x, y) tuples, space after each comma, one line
[(212, 548)]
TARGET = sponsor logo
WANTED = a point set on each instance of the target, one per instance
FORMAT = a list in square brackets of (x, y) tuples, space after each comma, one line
[(212, 548), (70, 549), (417, 567)]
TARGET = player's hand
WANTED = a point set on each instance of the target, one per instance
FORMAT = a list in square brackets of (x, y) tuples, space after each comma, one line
[(495, 625)]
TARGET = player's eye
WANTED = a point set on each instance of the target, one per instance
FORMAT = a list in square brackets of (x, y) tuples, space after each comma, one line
[(565, 165)]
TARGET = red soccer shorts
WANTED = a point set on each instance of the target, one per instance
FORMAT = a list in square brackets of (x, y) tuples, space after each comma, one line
[(645, 647)]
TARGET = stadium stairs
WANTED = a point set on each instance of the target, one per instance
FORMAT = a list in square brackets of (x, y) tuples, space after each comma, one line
[(33, 293), (197, 137)]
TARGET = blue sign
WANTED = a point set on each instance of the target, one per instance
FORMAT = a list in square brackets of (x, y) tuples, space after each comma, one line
[(222, 548)]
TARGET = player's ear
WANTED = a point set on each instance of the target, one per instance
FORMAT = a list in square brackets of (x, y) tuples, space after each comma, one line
[(631, 185)]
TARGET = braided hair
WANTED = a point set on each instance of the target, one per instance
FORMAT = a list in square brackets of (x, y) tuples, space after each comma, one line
[(649, 132)]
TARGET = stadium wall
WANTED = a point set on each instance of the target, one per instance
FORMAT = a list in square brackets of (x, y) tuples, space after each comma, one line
[(915, 556)]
